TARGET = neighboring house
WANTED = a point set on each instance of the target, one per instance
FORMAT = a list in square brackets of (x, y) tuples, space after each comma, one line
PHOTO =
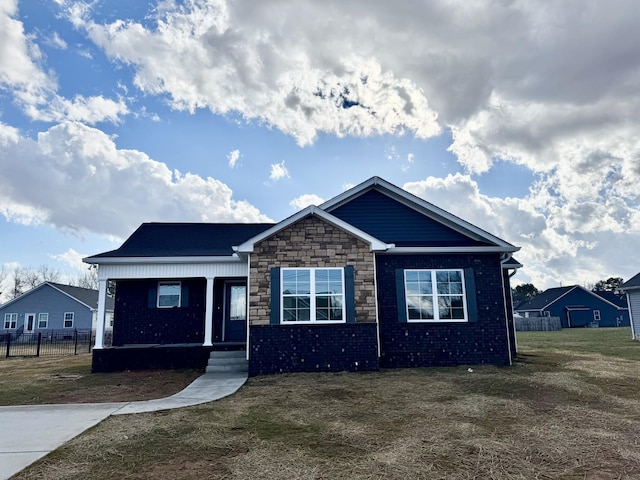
[(632, 290), (374, 277), (577, 307), (53, 307)]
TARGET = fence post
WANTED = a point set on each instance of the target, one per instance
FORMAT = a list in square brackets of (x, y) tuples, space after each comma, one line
[(75, 342), (8, 344), (39, 340)]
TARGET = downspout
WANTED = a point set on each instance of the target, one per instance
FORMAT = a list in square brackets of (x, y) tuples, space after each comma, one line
[(375, 294), (633, 330), (248, 303), (506, 316)]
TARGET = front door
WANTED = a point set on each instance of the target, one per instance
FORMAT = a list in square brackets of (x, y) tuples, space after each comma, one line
[(235, 311), (29, 322)]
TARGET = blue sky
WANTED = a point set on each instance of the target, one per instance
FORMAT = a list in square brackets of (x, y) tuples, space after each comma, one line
[(518, 117)]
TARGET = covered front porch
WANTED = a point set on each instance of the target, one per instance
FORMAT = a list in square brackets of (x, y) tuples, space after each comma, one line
[(171, 315)]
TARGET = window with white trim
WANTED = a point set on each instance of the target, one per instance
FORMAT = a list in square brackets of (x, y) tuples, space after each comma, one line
[(435, 296), (596, 315), (312, 295), (169, 294), (68, 320), (10, 320), (43, 320)]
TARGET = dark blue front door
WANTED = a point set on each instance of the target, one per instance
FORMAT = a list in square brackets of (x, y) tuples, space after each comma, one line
[(235, 311)]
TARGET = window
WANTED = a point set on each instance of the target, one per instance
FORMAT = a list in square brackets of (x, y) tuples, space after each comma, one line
[(238, 303), (43, 320), (169, 294), (596, 315), (312, 295), (10, 320), (68, 320), (435, 295)]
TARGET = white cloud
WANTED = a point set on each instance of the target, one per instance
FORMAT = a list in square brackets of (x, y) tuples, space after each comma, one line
[(222, 57), (34, 90), (278, 171), (406, 165), (20, 56), (89, 110), (304, 201), (75, 178), (57, 42), (552, 253), (72, 259), (233, 158)]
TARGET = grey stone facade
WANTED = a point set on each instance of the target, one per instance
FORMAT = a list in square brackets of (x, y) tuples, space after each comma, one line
[(311, 242)]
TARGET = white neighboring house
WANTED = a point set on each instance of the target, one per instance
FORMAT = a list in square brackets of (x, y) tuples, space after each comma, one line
[(632, 289)]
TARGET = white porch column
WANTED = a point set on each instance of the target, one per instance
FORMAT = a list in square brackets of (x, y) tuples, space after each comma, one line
[(102, 300), (208, 314)]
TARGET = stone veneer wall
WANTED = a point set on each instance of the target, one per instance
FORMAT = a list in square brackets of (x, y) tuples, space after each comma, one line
[(311, 242)]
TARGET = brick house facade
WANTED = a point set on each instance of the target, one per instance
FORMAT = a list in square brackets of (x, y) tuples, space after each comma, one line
[(372, 278)]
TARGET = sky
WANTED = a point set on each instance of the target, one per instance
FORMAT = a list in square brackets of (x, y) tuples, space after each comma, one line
[(518, 116)]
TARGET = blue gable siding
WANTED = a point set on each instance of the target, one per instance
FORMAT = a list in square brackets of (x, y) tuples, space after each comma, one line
[(48, 300), (390, 221), (576, 309)]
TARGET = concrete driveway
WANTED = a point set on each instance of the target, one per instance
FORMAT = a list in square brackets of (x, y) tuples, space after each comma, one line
[(30, 432)]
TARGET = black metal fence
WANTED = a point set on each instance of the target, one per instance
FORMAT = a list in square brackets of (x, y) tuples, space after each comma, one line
[(47, 343)]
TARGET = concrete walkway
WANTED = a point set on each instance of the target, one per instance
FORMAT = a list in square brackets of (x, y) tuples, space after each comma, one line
[(30, 432)]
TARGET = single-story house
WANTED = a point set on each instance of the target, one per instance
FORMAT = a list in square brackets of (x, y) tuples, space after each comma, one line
[(375, 277), (632, 290), (54, 307), (577, 307)]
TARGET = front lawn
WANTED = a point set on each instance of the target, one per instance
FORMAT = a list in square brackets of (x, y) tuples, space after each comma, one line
[(68, 379), (565, 410)]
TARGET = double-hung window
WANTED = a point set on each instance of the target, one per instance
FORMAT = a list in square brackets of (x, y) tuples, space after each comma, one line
[(435, 296), (10, 320), (43, 320), (68, 320), (169, 294), (312, 295)]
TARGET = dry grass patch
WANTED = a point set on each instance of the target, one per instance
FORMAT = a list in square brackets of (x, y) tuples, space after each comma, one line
[(33, 381)]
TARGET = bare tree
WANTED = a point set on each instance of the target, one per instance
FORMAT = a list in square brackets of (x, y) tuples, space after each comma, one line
[(34, 276), (18, 283), (86, 280), (4, 273)]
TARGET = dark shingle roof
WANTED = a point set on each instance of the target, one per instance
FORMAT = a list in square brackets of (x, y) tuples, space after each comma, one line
[(543, 299), (618, 300), (633, 282), (186, 239), (85, 295)]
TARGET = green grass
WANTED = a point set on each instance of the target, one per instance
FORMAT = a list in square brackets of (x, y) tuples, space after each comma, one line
[(613, 342), (569, 408)]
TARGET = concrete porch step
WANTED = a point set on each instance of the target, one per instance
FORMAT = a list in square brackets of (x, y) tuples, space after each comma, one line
[(227, 361)]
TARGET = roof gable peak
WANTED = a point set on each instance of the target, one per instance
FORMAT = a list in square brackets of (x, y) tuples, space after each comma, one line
[(313, 210), (418, 204)]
